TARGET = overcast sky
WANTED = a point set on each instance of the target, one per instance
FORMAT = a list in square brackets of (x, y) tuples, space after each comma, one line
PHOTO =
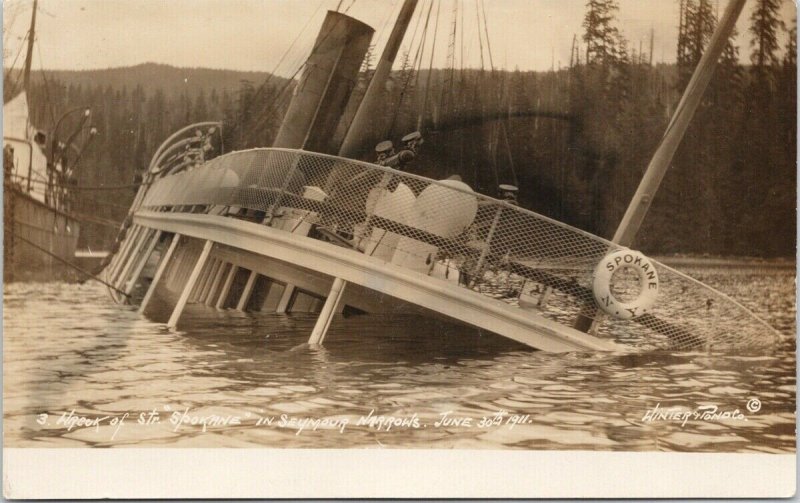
[(255, 34)]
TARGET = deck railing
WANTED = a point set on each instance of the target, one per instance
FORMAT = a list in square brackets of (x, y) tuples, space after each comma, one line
[(442, 229)]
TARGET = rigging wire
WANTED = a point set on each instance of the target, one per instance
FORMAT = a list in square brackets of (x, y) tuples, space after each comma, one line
[(81, 217), (380, 33), (480, 40), (510, 157), (430, 67), (263, 85), (107, 222), (421, 49), (446, 97), (70, 264), (416, 28), (267, 113), (411, 70), (462, 38), (486, 32), (501, 128), (13, 86), (389, 16), (46, 86), (495, 127), (408, 72), (461, 139), (349, 7)]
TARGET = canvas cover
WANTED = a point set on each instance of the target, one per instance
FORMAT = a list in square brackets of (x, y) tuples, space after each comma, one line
[(28, 156)]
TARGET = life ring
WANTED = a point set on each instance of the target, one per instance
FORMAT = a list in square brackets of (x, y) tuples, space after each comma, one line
[(648, 284)]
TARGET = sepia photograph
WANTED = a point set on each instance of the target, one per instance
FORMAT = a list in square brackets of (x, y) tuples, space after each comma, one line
[(509, 248)]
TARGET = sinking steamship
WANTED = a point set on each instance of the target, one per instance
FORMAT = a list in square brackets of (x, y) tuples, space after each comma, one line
[(294, 228)]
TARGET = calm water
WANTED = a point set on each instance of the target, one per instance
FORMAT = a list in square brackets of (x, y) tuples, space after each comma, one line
[(72, 356)]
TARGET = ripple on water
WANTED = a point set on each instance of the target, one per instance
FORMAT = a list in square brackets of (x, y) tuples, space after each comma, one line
[(68, 347)]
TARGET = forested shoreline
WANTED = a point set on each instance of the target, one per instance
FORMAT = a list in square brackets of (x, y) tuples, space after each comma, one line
[(576, 139)]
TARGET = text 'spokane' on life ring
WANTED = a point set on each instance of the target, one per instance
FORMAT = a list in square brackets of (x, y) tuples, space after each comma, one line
[(648, 284)]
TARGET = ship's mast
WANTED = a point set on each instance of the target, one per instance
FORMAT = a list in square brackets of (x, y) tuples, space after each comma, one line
[(370, 106), (692, 96), (634, 216), (26, 76)]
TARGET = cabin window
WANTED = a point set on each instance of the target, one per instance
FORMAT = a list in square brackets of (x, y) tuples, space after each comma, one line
[(306, 302), (266, 295)]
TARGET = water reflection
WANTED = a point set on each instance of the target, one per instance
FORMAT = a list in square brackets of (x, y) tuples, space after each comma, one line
[(68, 347)]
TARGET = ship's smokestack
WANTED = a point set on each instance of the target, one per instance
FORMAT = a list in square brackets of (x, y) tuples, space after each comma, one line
[(324, 89)]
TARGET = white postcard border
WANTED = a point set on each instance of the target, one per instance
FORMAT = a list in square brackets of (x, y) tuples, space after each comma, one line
[(377, 473)]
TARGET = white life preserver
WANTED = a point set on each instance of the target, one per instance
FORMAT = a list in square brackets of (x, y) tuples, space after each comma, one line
[(648, 284)]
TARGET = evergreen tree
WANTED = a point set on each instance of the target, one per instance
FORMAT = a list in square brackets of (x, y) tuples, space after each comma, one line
[(731, 188), (765, 23), (790, 57), (200, 111), (697, 23), (157, 115), (601, 36)]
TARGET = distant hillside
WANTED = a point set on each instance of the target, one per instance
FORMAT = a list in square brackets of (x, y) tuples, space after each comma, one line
[(731, 188), (153, 76)]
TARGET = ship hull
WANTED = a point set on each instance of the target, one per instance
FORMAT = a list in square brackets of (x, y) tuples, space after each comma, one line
[(301, 261), (37, 240), (254, 231)]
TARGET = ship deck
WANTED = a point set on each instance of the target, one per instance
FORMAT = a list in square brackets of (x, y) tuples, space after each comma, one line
[(305, 231)]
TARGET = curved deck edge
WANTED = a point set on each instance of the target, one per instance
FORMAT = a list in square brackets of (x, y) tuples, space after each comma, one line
[(432, 293)]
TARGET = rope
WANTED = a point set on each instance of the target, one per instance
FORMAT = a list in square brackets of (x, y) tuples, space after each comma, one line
[(70, 264)]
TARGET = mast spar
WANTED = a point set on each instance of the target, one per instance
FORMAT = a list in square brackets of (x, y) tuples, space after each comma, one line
[(26, 76), (634, 216), (371, 103), (645, 193)]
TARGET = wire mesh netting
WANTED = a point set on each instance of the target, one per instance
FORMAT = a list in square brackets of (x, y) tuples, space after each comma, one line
[(444, 230)]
